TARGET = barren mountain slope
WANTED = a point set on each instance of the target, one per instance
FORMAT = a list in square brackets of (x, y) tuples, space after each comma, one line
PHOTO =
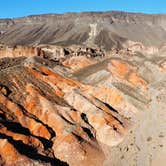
[(81, 110), (86, 89), (107, 29)]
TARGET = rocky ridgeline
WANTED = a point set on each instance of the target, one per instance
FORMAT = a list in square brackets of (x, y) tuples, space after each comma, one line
[(84, 89), (53, 53), (68, 113), (105, 30), (18, 51)]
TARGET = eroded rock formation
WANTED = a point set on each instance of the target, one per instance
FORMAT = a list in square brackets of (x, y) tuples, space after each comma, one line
[(96, 98), (68, 112), (18, 51)]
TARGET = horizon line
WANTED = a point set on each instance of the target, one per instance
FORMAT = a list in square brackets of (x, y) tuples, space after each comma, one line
[(82, 12)]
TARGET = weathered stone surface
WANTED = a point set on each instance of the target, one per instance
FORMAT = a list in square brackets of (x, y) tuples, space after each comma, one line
[(18, 51), (53, 118), (103, 29), (70, 111), (82, 105)]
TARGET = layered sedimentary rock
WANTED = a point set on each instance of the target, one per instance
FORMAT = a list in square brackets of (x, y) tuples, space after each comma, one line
[(96, 98), (72, 111)]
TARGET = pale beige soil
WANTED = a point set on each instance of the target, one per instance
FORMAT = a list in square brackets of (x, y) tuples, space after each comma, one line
[(145, 145)]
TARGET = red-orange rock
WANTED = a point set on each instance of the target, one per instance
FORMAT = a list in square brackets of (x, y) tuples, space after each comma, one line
[(61, 120), (75, 63), (127, 72)]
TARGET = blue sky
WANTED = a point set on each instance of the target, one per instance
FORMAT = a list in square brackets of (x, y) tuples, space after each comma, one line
[(18, 8)]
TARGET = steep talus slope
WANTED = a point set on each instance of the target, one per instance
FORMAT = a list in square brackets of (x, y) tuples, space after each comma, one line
[(114, 29)]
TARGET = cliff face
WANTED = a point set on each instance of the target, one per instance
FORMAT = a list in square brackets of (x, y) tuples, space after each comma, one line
[(18, 51), (108, 30)]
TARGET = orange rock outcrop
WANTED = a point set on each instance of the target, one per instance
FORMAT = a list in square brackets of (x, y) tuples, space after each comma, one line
[(55, 119)]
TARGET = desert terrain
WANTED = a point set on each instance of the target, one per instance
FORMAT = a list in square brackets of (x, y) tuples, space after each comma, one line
[(83, 89)]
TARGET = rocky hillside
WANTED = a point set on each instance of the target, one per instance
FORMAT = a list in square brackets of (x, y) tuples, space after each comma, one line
[(103, 29), (79, 109), (85, 89)]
